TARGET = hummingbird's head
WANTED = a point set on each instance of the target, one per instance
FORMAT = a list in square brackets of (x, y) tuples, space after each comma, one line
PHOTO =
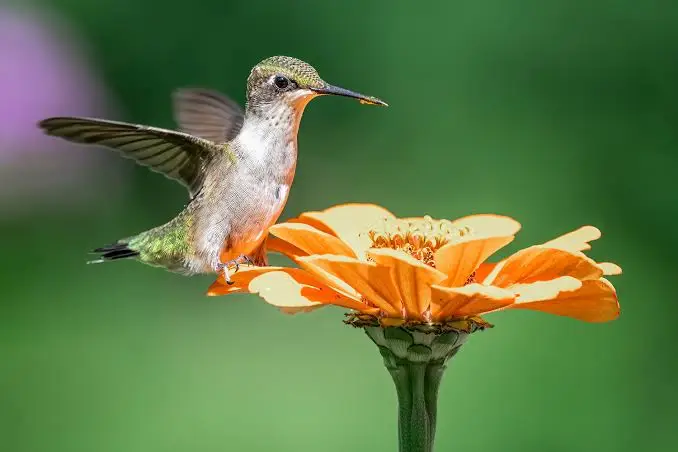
[(290, 81)]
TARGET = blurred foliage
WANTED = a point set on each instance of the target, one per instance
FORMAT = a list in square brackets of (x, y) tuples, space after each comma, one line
[(557, 113)]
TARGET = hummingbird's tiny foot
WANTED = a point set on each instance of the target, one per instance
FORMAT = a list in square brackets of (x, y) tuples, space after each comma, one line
[(246, 260), (242, 259), (223, 268), (227, 275)]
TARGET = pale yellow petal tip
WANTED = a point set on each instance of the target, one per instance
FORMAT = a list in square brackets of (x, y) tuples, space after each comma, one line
[(545, 290), (589, 234), (592, 231), (577, 240), (354, 212), (355, 206), (488, 224), (475, 289), (610, 269), (281, 289)]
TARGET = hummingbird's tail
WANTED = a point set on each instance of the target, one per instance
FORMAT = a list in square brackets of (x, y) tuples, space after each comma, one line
[(163, 246), (114, 251)]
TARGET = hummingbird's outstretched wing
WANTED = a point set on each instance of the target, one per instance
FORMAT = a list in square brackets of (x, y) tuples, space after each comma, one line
[(177, 155), (207, 114)]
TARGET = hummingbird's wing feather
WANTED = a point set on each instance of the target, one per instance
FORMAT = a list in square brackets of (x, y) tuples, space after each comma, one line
[(177, 155), (207, 114)]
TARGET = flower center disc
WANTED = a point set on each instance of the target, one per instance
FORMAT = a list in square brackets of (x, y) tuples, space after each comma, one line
[(418, 237)]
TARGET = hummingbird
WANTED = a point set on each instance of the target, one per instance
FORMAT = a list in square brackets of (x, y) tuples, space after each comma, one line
[(238, 166)]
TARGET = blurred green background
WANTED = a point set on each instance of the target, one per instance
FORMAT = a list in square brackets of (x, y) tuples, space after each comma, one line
[(558, 113)]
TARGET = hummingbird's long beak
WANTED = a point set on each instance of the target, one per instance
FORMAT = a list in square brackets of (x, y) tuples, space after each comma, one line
[(336, 91)]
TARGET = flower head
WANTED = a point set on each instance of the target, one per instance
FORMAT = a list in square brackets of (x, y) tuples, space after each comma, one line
[(421, 270)]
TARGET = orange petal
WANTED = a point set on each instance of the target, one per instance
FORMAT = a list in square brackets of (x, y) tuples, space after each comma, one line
[(610, 269), (472, 299), (243, 277), (459, 259), (370, 280), (412, 279), (483, 270), (591, 301), (349, 222), (310, 240), (289, 288), (309, 219), (576, 240), (538, 263), (274, 244), (241, 280), (488, 225), (289, 291), (339, 285)]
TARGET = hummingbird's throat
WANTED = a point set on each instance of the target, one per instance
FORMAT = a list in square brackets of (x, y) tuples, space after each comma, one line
[(418, 237)]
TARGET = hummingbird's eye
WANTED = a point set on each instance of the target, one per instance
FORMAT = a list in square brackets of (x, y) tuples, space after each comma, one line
[(281, 82)]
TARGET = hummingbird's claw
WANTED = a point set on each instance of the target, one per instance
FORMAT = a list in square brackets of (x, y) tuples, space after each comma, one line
[(242, 259)]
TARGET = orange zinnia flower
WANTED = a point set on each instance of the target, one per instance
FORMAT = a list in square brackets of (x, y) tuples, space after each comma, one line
[(421, 270)]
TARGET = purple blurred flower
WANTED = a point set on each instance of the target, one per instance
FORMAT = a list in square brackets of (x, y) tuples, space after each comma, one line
[(43, 72)]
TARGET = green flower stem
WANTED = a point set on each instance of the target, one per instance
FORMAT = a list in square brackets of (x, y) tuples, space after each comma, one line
[(416, 360)]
